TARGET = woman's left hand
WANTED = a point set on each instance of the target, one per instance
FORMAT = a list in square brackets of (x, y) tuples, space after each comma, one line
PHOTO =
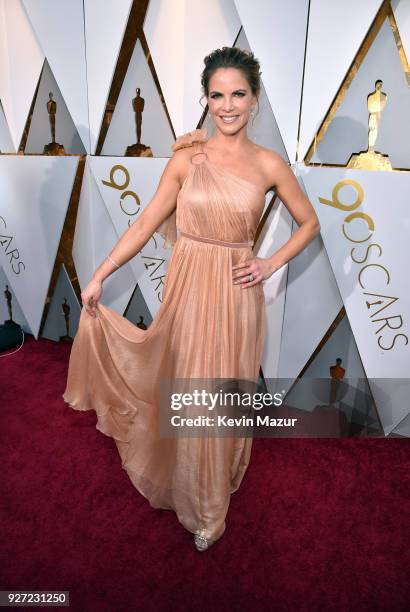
[(261, 269)]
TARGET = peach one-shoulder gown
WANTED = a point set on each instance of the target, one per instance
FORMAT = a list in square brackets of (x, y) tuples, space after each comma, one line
[(205, 327)]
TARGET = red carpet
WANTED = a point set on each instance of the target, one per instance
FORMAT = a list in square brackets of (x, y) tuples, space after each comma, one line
[(318, 524)]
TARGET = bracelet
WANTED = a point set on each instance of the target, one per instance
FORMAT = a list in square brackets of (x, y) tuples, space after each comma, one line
[(111, 259)]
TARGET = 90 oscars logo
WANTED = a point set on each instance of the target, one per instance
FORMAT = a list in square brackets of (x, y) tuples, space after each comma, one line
[(6, 242), (127, 193), (153, 265), (394, 321)]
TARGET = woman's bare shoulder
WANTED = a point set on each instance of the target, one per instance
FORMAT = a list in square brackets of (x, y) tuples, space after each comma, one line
[(271, 164), (269, 156)]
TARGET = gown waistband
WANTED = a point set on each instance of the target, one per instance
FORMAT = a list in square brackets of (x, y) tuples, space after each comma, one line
[(214, 241)]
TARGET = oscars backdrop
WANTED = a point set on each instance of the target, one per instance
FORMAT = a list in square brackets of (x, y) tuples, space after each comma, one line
[(92, 96)]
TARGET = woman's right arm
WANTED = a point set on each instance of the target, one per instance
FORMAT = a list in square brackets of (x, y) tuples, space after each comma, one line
[(137, 235)]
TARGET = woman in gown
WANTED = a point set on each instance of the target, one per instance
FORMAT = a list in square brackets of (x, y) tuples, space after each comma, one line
[(211, 323)]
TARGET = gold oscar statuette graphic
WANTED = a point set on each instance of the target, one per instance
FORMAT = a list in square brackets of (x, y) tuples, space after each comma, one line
[(141, 323), (337, 374), (138, 149), (371, 159), (65, 307), (11, 332), (53, 147), (8, 296)]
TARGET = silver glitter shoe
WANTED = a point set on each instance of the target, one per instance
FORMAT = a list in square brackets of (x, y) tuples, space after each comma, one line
[(201, 542)]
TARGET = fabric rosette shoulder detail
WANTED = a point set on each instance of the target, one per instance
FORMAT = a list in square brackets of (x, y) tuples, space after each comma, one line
[(188, 139), (168, 228)]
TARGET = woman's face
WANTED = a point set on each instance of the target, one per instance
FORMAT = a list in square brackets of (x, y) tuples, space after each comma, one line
[(230, 99)]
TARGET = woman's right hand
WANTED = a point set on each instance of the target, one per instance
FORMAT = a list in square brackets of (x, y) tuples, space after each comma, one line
[(91, 295)]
